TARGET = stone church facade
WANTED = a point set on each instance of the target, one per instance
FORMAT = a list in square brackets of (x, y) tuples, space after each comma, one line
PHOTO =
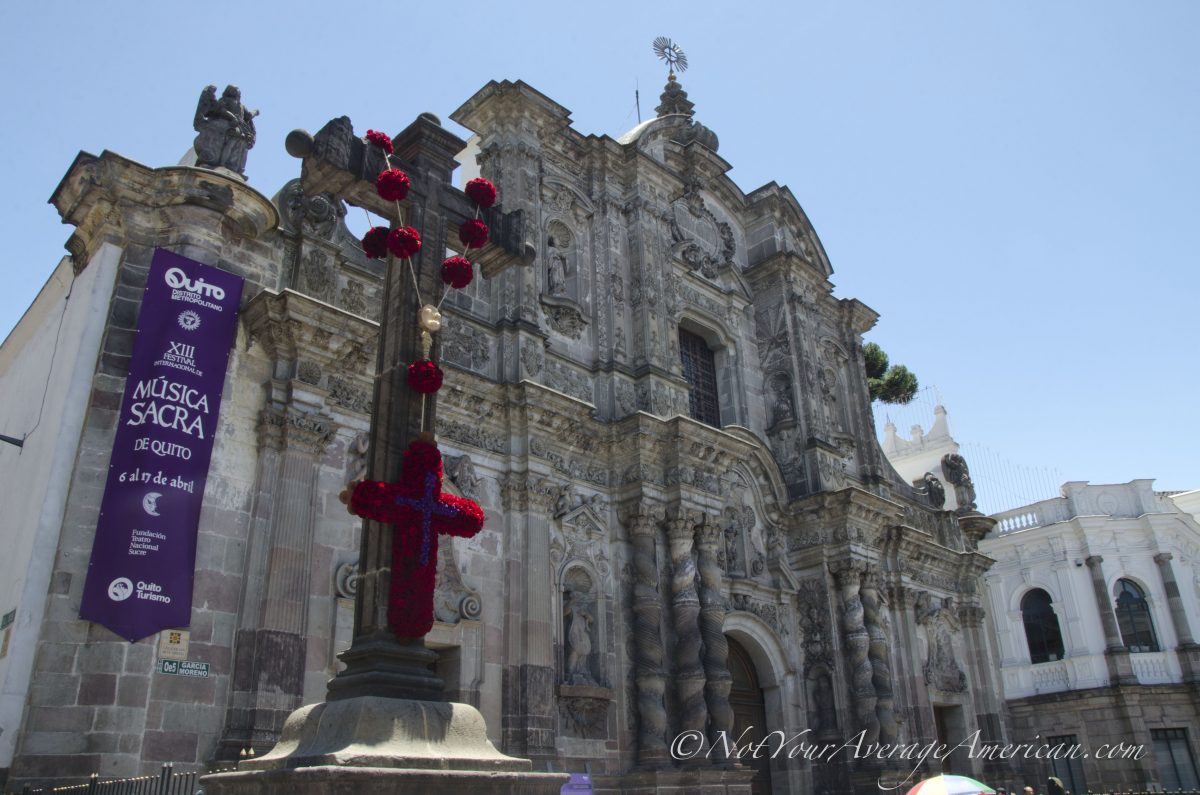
[(691, 527)]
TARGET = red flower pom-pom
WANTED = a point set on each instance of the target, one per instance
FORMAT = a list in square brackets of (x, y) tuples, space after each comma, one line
[(482, 192), (473, 233), (424, 377), (457, 272), (375, 242), (379, 139), (404, 241), (392, 185)]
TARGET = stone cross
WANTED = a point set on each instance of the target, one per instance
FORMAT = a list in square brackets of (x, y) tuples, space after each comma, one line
[(338, 161)]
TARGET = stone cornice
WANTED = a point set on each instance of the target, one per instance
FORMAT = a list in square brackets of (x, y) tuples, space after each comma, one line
[(506, 97), (99, 195), (290, 325), (851, 506)]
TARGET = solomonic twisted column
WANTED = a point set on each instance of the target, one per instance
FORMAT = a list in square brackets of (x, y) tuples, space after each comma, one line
[(854, 631), (647, 644), (685, 604), (718, 680)]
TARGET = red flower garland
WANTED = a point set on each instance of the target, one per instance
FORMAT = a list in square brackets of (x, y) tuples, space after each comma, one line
[(381, 140), (392, 185), (482, 192), (473, 233), (457, 272), (375, 242), (421, 512), (425, 377), (404, 241)]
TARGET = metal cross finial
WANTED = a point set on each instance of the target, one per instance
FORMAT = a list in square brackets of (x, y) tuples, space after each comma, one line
[(672, 53)]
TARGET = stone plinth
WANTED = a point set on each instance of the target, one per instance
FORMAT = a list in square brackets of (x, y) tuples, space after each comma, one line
[(384, 745)]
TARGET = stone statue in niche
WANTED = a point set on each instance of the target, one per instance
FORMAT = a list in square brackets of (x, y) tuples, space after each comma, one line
[(578, 620), (954, 466), (732, 531), (226, 130), (781, 409), (759, 564), (556, 276)]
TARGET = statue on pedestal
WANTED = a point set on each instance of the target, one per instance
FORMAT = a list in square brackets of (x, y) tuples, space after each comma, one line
[(226, 130)]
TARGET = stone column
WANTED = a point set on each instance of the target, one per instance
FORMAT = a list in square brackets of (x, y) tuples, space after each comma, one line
[(685, 607), (1120, 669), (848, 574), (879, 655), (647, 643), (718, 680), (271, 650), (1178, 615), (1188, 650)]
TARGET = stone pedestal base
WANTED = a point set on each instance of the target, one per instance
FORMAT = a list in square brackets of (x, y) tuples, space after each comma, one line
[(371, 745), (1189, 661), (708, 781), (1120, 667)]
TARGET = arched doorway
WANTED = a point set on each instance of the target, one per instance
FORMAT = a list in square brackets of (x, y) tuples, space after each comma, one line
[(749, 715)]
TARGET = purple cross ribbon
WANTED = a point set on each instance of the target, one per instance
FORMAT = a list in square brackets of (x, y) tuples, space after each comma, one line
[(428, 505)]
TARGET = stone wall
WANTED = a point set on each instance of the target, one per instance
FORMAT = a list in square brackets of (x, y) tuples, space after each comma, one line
[(1113, 728)]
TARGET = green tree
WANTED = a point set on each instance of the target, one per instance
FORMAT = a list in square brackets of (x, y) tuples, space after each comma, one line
[(888, 384)]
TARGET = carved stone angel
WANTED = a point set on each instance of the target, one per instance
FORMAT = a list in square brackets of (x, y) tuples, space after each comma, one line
[(226, 130), (934, 490), (954, 466)]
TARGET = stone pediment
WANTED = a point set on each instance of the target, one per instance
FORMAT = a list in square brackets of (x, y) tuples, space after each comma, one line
[(585, 522)]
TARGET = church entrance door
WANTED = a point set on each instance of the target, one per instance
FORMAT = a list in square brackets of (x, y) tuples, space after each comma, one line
[(951, 730), (749, 716)]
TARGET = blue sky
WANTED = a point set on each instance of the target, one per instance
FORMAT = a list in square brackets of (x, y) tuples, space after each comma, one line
[(1014, 186)]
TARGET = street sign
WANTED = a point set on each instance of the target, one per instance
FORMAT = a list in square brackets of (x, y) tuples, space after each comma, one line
[(183, 668)]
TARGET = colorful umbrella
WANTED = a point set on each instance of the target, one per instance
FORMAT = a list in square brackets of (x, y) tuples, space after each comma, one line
[(951, 785)]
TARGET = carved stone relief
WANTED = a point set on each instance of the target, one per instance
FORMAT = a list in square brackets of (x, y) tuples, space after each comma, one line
[(453, 600), (465, 346), (317, 216), (940, 622), (317, 269)]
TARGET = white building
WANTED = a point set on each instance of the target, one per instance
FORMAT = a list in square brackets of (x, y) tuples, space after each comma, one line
[(923, 452), (1094, 595)]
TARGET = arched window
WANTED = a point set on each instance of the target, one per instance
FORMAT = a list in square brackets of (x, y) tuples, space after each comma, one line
[(700, 371), (1133, 617), (1041, 627)]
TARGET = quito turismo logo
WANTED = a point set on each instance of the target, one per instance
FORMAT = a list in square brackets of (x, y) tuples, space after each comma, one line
[(120, 589)]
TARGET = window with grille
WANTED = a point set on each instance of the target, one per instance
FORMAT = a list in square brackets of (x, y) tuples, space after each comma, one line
[(1133, 617), (700, 371), (1173, 755), (1066, 762), (1041, 627)]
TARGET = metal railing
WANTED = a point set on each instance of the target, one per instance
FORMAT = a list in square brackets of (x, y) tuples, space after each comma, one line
[(166, 782)]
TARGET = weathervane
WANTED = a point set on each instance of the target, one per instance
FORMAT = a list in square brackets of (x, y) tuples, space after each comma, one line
[(672, 53)]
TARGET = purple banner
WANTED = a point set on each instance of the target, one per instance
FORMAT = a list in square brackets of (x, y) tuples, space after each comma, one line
[(140, 577)]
